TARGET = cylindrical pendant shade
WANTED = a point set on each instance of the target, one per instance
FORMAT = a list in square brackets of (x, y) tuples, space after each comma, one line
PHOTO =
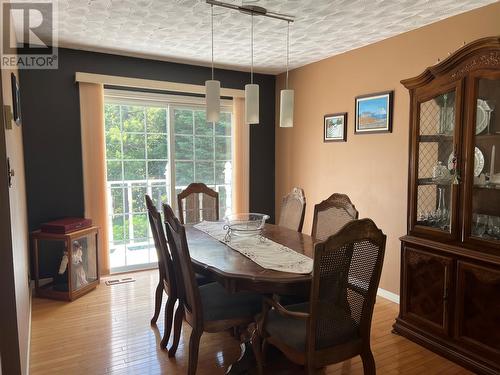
[(212, 98), (252, 104), (286, 109)]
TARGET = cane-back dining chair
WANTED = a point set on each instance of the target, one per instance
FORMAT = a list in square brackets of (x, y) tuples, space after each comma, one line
[(167, 278), (335, 324), (167, 281), (331, 215), (197, 203), (207, 308), (293, 208)]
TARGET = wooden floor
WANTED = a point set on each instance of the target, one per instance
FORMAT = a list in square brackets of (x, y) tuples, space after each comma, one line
[(108, 332)]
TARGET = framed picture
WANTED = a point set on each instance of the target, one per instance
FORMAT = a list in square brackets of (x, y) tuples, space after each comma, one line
[(374, 113), (16, 99), (335, 127)]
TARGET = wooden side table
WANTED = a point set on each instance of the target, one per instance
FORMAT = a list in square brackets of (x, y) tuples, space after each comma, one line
[(78, 271)]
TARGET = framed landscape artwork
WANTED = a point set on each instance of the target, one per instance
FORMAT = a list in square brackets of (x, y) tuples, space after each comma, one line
[(335, 127), (374, 113)]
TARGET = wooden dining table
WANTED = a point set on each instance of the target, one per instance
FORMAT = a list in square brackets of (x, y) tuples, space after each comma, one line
[(238, 273)]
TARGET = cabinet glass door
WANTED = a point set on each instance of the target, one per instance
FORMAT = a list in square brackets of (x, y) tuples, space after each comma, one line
[(436, 170), (485, 210)]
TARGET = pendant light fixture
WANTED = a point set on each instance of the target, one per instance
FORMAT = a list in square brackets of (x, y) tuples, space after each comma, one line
[(212, 87), (251, 93), (287, 95)]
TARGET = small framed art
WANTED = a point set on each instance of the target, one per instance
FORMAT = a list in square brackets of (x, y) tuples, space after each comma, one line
[(374, 113), (335, 127)]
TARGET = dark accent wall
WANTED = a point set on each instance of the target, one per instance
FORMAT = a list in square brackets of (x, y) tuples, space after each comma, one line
[(51, 128)]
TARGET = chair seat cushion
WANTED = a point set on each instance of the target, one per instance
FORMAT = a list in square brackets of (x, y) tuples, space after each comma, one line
[(218, 304), (292, 331)]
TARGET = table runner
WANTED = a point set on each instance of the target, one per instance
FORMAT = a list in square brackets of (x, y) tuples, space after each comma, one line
[(266, 253)]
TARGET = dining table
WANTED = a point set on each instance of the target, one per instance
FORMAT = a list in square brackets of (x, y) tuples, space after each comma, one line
[(238, 273)]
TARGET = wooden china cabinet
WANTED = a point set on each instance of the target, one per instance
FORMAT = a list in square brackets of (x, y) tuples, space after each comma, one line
[(450, 261)]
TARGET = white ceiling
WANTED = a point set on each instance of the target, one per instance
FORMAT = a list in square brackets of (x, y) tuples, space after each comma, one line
[(179, 30)]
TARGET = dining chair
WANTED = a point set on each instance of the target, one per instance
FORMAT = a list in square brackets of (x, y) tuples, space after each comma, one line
[(293, 208), (167, 281), (207, 308), (335, 324), (197, 203), (331, 215)]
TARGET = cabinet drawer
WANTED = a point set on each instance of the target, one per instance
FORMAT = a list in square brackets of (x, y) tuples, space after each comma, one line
[(426, 284)]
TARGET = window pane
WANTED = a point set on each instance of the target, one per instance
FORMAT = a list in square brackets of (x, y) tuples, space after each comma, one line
[(134, 146), (183, 121), (223, 148), (183, 147), (223, 127), (159, 194), (157, 146), (112, 117), (138, 200), (223, 172), (133, 118), (222, 201), (205, 172), (119, 228), (140, 223), (204, 148), (113, 144), (184, 173), (134, 170), (156, 120), (157, 170), (117, 200), (202, 127), (114, 170)]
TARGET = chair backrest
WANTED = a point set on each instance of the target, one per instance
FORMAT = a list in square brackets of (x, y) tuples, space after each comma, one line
[(331, 215), (164, 259), (293, 207), (346, 274), (188, 291), (197, 203)]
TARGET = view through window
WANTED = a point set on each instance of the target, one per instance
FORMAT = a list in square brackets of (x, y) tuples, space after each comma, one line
[(158, 147)]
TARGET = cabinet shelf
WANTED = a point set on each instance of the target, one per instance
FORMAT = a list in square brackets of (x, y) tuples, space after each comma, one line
[(436, 138), (492, 137), (430, 181), (488, 187)]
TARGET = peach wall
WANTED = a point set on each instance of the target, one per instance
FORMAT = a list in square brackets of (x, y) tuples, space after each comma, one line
[(371, 169)]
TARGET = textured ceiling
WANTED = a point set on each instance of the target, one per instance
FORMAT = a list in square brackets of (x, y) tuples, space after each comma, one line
[(179, 30)]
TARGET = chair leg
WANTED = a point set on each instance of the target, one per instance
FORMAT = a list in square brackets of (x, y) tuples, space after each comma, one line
[(257, 349), (158, 298), (169, 318), (368, 362), (265, 346), (194, 346), (310, 370), (179, 315)]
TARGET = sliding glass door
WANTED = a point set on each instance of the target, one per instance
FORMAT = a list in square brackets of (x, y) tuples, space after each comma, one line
[(143, 135)]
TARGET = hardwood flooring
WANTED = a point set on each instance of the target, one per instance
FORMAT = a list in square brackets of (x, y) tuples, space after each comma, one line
[(108, 332)]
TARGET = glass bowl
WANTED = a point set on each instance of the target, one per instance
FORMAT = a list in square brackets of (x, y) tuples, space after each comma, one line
[(246, 224)]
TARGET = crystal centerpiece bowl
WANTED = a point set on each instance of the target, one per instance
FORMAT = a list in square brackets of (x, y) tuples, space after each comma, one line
[(244, 225)]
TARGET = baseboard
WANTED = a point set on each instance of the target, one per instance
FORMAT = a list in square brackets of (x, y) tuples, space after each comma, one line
[(29, 332), (393, 297)]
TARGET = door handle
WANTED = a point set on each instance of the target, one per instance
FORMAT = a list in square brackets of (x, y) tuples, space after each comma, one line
[(10, 172)]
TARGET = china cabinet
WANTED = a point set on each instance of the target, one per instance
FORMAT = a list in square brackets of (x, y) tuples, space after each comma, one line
[(77, 271), (450, 261)]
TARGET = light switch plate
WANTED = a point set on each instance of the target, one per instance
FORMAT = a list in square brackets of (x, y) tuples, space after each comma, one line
[(7, 113)]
